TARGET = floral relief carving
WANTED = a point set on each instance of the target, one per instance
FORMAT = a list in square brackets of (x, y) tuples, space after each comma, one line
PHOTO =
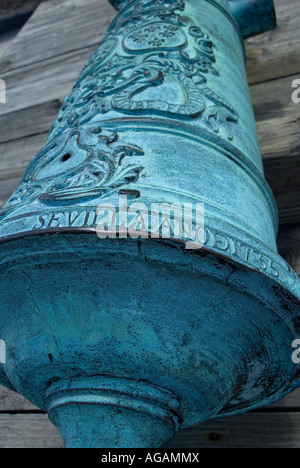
[(154, 60), (79, 164)]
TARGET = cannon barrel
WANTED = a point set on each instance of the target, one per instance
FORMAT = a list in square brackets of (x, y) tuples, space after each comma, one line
[(141, 287)]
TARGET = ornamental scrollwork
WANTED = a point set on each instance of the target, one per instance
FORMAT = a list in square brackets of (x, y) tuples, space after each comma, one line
[(156, 61), (153, 61), (79, 164)]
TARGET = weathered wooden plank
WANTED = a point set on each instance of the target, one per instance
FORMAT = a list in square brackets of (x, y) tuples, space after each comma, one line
[(254, 430), (16, 157), (289, 247), (11, 401), (28, 431), (283, 176), (37, 84), (279, 137), (290, 402), (7, 39), (276, 53), (28, 121), (278, 118), (278, 124), (262, 430), (76, 24), (10, 8), (14, 13), (59, 27), (7, 188)]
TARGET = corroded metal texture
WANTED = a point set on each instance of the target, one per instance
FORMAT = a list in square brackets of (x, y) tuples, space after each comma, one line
[(252, 16), (144, 333)]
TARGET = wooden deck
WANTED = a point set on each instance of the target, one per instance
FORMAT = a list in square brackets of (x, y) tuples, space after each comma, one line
[(40, 68)]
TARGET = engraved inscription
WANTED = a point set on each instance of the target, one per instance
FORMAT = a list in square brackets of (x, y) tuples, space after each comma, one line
[(213, 239)]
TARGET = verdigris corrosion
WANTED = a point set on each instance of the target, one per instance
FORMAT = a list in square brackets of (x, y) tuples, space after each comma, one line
[(122, 340)]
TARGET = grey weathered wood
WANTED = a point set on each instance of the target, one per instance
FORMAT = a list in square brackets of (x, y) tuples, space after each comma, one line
[(72, 25), (10, 8), (7, 39), (16, 157), (59, 27), (284, 176), (290, 402), (11, 401), (289, 247), (278, 118), (40, 69), (278, 124), (7, 187), (40, 83), (28, 431), (27, 122), (254, 430), (276, 53)]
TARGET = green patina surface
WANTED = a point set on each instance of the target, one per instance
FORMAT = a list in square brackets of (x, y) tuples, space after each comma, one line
[(125, 340)]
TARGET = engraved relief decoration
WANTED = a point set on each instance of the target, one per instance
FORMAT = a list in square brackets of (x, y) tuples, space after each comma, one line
[(154, 60), (84, 163)]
